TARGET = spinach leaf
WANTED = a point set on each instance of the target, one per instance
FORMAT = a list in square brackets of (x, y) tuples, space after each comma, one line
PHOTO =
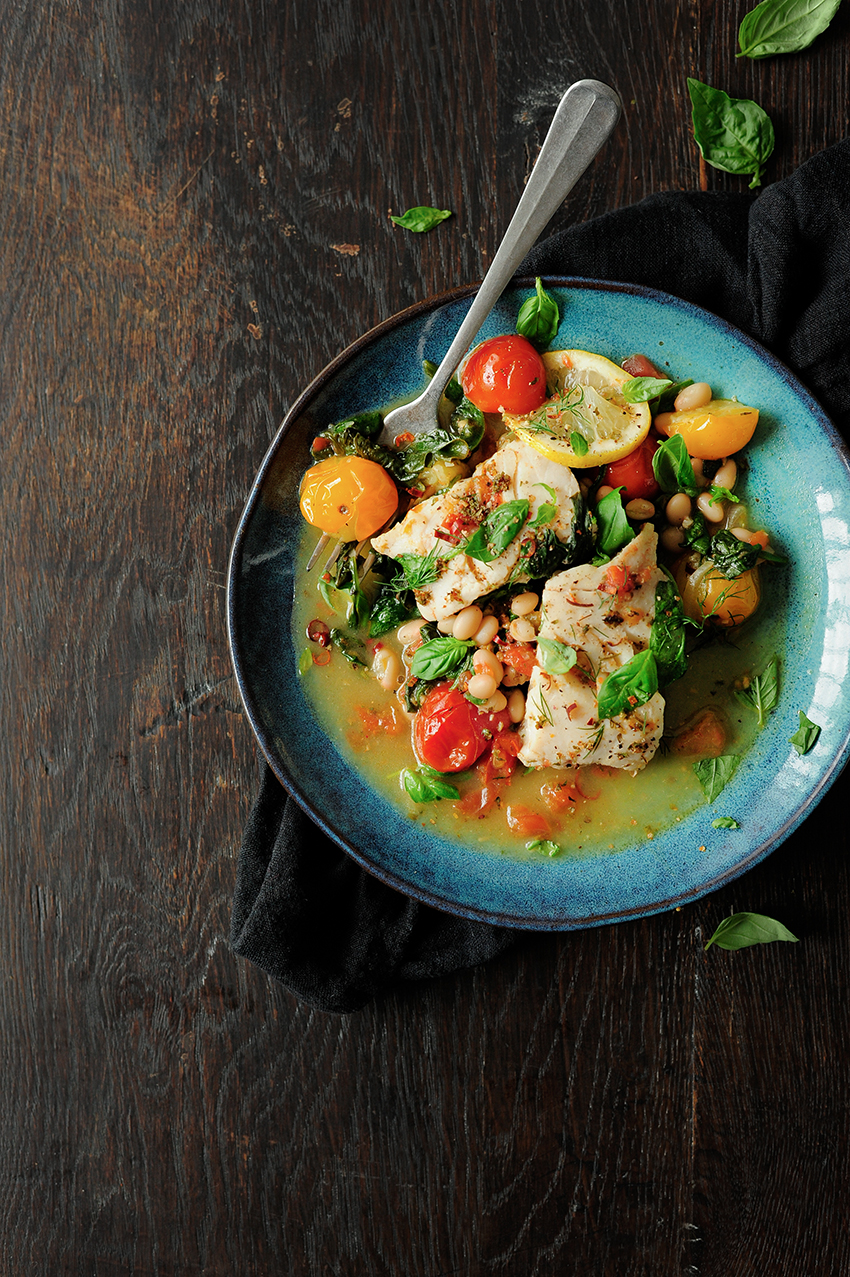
[(632, 685), (763, 692), (425, 785), (744, 929), (342, 590), (440, 657), (784, 26), (467, 421), (544, 845), (698, 536), (667, 398), (538, 317), (540, 555), (453, 390), (642, 389), (350, 648), (555, 657), (497, 531), (365, 423), (614, 529), (667, 636), (672, 467), (422, 218), (731, 556), (805, 736), (411, 460), (725, 822), (733, 134), (390, 610), (714, 774)]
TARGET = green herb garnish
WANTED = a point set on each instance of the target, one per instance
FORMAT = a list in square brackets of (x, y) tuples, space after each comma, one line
[(544, 845), (538, 317), (422, 218), (555, 657), (784, 26), (672, 467), (714, 774), (425, 785), (725, 822), (613, 528), (745, 929), (733, 134), (497, 531), (642, 389), (440, 657), (762, 695), (805, 736), (632, 685)]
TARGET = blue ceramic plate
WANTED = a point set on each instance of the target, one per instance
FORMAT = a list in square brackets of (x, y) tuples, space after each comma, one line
[(800, 470)]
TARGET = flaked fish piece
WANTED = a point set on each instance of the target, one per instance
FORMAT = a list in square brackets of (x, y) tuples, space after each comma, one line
[(513, 473), (605, 614)]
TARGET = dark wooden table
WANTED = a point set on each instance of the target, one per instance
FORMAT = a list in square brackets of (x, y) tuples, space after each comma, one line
[(193, 220)]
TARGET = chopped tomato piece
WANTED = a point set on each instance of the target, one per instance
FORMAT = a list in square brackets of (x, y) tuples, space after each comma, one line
[(561, 797), (527, 822), (450, 733), (500, 762), (704, 736), (640, 366), (521, 657), (618, 580)]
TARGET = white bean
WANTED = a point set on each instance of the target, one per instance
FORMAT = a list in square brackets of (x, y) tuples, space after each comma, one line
[(446, 626), (695, 396), (672, 538), (727, 474), (467, 622), (522, 630), (386, 666), (487, 631), (639, 509), (678, 508), (602, 491), (696, 462), (484, 662), (516, 705), (495, 703), (523, 603), (482, 686), (409, 632), (712, 510), (743, 534)]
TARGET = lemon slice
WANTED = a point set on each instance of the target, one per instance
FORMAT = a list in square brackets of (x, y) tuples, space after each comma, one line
[(585, 420)]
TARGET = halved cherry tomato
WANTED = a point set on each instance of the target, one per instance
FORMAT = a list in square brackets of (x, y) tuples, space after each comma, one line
[(348, 497), (634, 473), (523, 820), (718, 429), (450, 733), (505, 374)]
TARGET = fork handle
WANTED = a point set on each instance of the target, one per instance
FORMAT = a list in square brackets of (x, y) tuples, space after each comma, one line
[(583, 122)]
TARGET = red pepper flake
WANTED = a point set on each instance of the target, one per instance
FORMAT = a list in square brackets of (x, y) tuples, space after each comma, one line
[(402, 439), (319, 443), (570, 709)]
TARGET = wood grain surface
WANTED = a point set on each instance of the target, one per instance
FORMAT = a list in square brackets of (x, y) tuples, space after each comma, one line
[(193, 203)]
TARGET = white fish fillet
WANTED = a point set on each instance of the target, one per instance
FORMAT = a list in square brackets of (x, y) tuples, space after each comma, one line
[(561, 727), (516, 471)]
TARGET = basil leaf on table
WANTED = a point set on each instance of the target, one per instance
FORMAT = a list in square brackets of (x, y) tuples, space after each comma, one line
[(745, 929), (672, 467), (425, 785), (763, 692), (632, 685), (422, 218), (497, 531), (613, 528), (714, 774), (642, 389), (806, 735), (555, 657), (784, 26), (439, 657), (538, 317), (733, 134)]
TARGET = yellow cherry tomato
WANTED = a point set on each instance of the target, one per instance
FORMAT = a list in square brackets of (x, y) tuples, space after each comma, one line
[(348, 497), (718, 430), (709, 597)]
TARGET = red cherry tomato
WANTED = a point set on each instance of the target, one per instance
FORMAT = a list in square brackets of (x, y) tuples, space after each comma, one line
[(505, 374), (450, 733), (640, 366), (634, 472)]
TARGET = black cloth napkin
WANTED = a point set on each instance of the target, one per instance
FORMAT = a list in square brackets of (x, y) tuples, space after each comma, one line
[(776, 265)]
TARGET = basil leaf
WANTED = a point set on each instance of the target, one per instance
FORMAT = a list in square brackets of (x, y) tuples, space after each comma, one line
[(425, 785), (546, 845), (733, 134), (805, 736), (745, 929), (763, 692), (719, 493), (538, 317), (422, 218), (672, 467), (579, 444), (614, 529), (714, 774), (725, 822), (667, 636), (784, 26), (730, 556), (439, 657), (497, 531), (555, 657), (642, 389), (631, 685), (545, 514)]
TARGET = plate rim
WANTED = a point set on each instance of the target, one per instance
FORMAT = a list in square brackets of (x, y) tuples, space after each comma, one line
[(290, 784)]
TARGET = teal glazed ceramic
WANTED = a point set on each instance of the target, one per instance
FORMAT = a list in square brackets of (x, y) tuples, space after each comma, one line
[(805, 501)]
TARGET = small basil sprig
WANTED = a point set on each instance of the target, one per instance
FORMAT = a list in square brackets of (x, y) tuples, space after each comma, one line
[(422, 218), (555, 657), (744, 929), (784, 26), (762, 695), (425, 785), (672, 467), (538, 317), (806, 735), (632, 685), (544, 845), (714, 774), (733, 134), (642, 389), (497, 530), (440, 657), (725, 822)]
